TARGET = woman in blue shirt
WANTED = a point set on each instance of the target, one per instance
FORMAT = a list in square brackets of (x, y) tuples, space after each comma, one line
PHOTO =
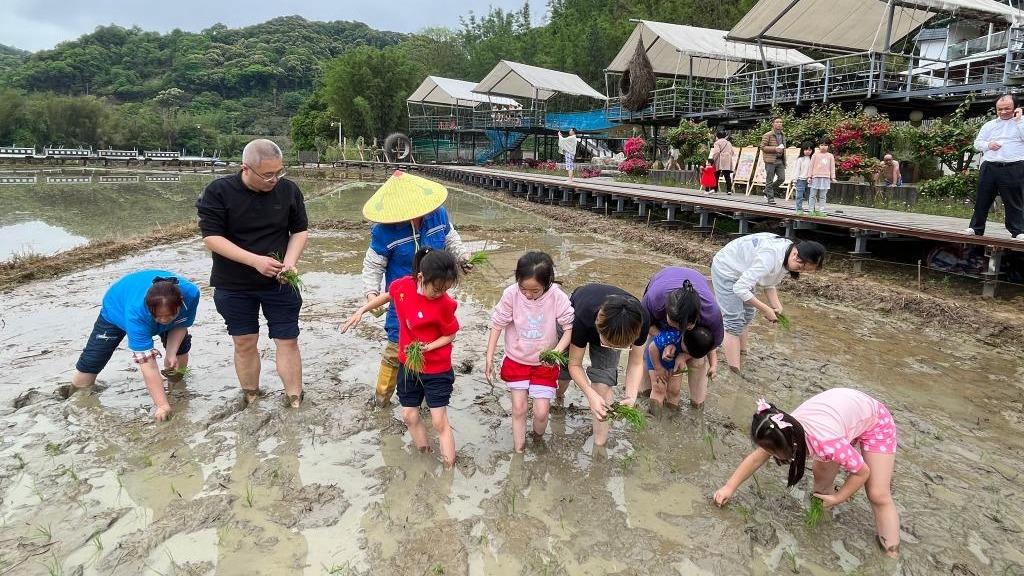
[(140, 306)]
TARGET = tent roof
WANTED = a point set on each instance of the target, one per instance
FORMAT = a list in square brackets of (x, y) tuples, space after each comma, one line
[(524, 81), (854, 25), (671, 46), (451, 92)]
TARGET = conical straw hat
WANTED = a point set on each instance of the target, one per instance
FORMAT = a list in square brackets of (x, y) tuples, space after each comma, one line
[(404, 197)]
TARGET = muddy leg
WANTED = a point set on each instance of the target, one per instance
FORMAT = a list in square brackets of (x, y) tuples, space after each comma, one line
[(445, 436), (732, 344), (289, 368), (887, 519), (519, 408), (825, 477), (674, 389), (697, 379), (563, 385), (744, 340), (411, 417), (601, 428), (541, 408), (247, 364), (82, 380)]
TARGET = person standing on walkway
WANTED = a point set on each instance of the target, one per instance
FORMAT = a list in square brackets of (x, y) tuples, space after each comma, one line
[(1001, 141), (567, 145), (255, 224), (802, 176), (724, 156), (773, 149), (820, 178), (409, 214)]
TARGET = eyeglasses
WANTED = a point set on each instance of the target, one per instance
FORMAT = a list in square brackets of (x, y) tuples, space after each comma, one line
[(268, 178)]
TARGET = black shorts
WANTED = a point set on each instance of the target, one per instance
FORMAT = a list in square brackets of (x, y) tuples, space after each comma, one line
[(436, 388), (241, 308), (105, 338)]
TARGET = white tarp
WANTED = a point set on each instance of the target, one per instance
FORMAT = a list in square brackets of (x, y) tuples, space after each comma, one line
[(450, 92), (672, 48), (854, 25), (524, 81)]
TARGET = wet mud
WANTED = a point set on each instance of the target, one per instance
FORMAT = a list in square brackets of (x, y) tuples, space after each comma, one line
[(90, 485)]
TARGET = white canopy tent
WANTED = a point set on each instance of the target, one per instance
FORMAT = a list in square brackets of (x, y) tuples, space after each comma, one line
[(855, 25), (678, 50), (440, 91), (517, 80)]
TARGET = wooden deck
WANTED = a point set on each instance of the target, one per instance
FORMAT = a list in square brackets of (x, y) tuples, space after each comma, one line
[(620, 198)]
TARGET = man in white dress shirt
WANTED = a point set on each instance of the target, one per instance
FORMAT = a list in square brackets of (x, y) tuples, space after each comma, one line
[(1001, 142)]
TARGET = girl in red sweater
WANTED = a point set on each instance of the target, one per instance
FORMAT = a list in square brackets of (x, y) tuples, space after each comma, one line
[(426, 316), (709, 177)]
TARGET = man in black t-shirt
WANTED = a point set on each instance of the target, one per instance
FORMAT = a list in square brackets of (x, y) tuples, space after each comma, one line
[(255, 224), (608, 320)]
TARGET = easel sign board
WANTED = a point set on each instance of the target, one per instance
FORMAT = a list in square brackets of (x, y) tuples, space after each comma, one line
[(791, 156), (745, 164), (760, 175)]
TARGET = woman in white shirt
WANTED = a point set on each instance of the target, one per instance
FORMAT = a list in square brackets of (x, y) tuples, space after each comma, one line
[(764, 260), (567, 144)]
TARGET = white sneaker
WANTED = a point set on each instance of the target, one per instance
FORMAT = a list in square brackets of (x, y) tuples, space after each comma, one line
[(1019, 237), (968, 232)]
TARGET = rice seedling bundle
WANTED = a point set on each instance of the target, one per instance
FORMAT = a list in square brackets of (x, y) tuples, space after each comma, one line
[(630, 414)]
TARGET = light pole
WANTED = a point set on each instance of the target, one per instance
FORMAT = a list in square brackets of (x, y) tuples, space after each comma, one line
[(340, 147)]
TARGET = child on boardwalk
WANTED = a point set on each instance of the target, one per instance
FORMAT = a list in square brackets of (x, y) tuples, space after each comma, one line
[(530, 312), (709, 177), (803, 172), (426, 319), (827, 427), (823, 174), (763, 259), (672, 352)]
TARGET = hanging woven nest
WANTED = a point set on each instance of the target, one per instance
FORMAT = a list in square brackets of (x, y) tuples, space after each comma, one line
[(637, 82)]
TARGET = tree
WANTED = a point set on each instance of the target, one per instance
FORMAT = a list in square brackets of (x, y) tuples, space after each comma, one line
[(366, 89)]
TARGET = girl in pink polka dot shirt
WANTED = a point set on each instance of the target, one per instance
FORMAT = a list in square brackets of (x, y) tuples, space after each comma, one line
[(829, 427)]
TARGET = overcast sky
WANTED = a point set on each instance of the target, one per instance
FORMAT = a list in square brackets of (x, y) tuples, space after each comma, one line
[(40, 24)]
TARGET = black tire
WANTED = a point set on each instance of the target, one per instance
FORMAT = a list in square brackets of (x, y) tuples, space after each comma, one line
[(397, 147)]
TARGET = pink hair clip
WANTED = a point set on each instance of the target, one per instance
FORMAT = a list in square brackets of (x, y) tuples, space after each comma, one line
[(762, 405), (777, 418)]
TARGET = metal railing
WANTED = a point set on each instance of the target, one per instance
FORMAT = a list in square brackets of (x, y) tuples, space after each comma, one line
[(681, 100), (994, 41)]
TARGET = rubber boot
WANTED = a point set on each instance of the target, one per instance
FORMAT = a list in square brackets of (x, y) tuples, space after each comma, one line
[(387, 378)]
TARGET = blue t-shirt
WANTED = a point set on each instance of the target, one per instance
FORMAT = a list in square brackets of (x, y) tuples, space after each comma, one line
[(395, 242), (661, 341), (124, 306)]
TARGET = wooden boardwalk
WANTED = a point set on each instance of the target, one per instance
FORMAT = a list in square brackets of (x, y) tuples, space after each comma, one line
[(621, 198)]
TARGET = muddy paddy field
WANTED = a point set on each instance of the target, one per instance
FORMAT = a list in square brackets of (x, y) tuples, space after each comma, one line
[(91, 485)]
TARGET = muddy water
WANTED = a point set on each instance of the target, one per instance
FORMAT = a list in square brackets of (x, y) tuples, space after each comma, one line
[(91, 484)]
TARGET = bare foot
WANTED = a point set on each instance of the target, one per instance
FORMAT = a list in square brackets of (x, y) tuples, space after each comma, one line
[(295, 400), (251, 395), (425, 449)]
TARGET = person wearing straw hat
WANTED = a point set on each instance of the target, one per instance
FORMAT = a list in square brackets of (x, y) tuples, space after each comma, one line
[(409, 214)]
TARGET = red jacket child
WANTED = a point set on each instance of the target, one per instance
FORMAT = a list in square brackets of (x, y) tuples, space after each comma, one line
[(709, 178)]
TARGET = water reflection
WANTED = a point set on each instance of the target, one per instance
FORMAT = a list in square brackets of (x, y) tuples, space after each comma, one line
[(35, 237)]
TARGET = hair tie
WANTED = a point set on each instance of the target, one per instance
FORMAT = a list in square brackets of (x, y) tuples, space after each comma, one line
[(171, 279), (777, 418), (762, 405), (687, 285)]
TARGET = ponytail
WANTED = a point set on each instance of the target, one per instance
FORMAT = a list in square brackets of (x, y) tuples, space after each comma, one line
[(683, 305)]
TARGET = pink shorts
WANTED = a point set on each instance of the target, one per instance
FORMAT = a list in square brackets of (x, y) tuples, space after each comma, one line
[(881, 438)]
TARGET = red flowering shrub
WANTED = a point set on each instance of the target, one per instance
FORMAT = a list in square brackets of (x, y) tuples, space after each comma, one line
[(635, 166), (634, 147), (590, 172)]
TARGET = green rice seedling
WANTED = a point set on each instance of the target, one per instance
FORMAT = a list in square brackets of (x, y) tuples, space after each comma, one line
[(53, 449), (784, 322), (437, 570), (21, 461), (709, 441), (478, 258), (223, 531), (290, 277), (43, 533), (97, 542), (552, 357), (815, 512), (177, 374), (414, 357), (630, 414), (250, 495), (53, 566)]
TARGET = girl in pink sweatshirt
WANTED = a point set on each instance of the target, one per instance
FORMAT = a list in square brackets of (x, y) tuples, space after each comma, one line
[(823, 174), (536, 316)]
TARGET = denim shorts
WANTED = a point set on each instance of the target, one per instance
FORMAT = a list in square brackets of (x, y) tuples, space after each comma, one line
[(435, 388), (736, 314), (241, 308), (105, 338), (666, 364)]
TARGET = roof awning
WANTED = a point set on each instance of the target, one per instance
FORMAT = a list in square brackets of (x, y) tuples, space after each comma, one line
[(450, 92), (524, 81), (854, 25), (675, 49)]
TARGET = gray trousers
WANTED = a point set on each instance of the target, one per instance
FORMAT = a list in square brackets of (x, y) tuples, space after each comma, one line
[(774, 178)]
